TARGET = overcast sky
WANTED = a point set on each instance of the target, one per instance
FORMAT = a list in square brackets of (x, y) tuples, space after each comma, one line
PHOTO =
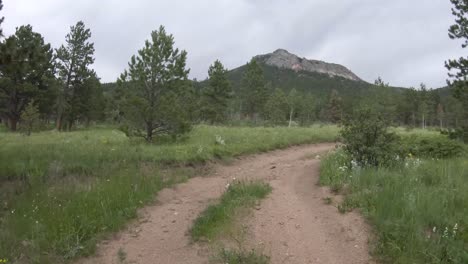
[(403, 41)]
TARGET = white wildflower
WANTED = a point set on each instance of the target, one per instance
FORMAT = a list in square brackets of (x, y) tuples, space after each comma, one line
[(446, 232), (219, 140), (434, 229), (455, 229)]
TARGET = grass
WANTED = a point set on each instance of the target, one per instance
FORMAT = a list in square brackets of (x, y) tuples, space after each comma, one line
[(217, 218), (242, 257), (418, 209), (61, 192)]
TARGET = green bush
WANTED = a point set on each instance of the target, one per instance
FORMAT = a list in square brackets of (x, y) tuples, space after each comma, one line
[(439, 147), (367, 139)]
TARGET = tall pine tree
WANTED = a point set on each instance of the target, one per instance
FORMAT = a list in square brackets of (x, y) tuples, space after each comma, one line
[(156, 88), (26, 73), (458, 79), (215, 96), (253, 92), (73, 62)]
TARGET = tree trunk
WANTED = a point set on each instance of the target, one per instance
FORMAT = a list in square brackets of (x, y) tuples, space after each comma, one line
[(149, 133), (58, 125), (290, 116), (13, 123)]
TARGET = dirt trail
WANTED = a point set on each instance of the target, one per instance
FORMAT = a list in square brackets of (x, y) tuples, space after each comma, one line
[(293, 225)]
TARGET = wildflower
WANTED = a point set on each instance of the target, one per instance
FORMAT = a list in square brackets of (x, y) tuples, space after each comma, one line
[(199, 150), (12, 211), (219, 140), (434, 229), (455, 229), (445, 235)]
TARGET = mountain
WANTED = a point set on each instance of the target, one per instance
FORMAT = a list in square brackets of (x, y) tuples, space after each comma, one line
[(283, 59)]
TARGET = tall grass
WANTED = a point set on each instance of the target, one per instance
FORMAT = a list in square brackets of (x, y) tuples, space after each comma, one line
[(61, 192), (419, 209)]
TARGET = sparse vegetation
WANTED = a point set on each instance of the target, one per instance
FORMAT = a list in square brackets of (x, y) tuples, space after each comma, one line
[(242, 257), (217, 218)]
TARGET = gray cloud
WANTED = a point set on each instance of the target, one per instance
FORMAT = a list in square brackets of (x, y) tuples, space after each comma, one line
[(403, 41)]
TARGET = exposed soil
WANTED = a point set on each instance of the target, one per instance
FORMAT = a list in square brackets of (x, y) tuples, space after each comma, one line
[(292, 225)]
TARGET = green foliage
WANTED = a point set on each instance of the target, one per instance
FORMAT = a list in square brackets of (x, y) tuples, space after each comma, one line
[(458, 80), (29, 117), (293, 101), (367, 139), (216, 95), (242, 257), (276, 107), (254, 92), (26, 73), (418, 209), (333, 109), (78, 80), (215, 219), (1, 19), (155, 86), (439, 147)]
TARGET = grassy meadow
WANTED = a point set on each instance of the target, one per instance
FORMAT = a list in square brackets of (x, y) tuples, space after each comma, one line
[(61, 192), (418, 207)]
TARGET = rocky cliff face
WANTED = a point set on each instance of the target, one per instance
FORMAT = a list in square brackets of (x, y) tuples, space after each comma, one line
[(283, 59)]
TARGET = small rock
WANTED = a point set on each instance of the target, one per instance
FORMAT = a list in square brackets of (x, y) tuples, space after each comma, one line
[(173, 221), (273, 167), (298, 226), (281, 223)]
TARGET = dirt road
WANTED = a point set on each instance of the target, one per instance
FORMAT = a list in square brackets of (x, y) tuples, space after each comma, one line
[(292, 225)]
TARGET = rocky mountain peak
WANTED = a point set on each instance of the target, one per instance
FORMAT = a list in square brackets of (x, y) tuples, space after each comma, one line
[(281, 58)]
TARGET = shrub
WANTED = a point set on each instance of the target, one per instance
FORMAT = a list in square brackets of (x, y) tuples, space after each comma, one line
[(367, 139), (439, 147)]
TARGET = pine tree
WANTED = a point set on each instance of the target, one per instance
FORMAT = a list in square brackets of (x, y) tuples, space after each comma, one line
[(459, 80), (73, 62), (26, 73), (156, 88), (276, 107), (253, 91), (29, 117), (216, 96), (1, 19), (334, 107)]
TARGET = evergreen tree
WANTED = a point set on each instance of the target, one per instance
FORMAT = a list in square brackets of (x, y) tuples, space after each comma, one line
[(1, 19), (276, 107), (73, 62), (334, 107), (26, 73), (253, 92), (156, 88), (29, 117), (458, 79), (216, 95)]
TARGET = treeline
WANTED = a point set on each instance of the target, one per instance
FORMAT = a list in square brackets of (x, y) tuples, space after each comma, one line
[(54, 85), (43, 86)]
